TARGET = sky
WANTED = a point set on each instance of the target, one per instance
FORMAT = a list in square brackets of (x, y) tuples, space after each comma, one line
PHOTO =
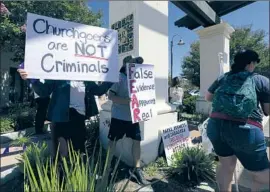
[(256, 14)]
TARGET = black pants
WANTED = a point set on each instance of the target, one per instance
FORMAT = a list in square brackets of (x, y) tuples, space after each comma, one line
[(41, 114), (73, 131)]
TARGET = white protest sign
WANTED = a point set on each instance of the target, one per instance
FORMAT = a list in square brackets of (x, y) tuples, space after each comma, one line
[(175, 137), (141, 86), (63, 50)]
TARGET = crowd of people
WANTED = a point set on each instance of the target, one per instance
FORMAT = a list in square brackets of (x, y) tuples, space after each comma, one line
[(239, 99), (73, 102)]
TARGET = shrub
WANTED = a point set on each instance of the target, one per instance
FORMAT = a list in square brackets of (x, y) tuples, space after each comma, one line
[(74, 173), (36, 154), (6, 124), (151, 169), (191, 166), (161, 162), (92, 133), (22, 141), (156, 166), (22, 116), (189, 104)]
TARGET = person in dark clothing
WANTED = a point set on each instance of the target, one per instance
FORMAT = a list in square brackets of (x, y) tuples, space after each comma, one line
[(42, 104), (240, 138), (72, 102)]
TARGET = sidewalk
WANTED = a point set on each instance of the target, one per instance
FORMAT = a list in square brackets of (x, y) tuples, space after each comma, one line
[(10, 158)]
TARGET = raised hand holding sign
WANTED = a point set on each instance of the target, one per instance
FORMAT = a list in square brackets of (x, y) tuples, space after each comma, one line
[(141, 86), (63, 50)]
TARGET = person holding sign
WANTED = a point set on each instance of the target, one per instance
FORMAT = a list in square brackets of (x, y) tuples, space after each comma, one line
[(72, 102), (121, 121)]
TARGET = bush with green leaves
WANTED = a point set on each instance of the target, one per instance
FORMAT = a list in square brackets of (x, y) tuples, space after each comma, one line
[(22, 115), (35, 154), (6, 124), (76, 172), (22, 141), (191, 166), (92, 133), (152, 168), (189, 104), (12, 35)]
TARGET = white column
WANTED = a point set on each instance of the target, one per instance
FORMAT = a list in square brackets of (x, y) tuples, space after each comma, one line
[(151, 43), (214, 58)]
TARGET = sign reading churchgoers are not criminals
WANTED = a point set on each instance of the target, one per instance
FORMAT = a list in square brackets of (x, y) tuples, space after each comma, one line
[(63, 50)]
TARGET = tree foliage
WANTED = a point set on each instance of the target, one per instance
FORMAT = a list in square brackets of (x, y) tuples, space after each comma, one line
[(242, 38), (191, 65), (12, 37)]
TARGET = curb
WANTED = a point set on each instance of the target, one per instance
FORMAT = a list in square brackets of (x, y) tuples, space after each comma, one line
[(8, 147), (9, 174), (7, 137), (205, 187)]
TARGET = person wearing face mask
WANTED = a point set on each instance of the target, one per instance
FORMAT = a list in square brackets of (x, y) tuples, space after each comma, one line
[(121, 121), (240, 99)]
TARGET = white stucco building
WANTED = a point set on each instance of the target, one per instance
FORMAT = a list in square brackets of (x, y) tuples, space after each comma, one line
[(150, 41)]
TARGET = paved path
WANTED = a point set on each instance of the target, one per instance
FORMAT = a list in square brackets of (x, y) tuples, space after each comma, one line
[(244, 178), (10, 158)]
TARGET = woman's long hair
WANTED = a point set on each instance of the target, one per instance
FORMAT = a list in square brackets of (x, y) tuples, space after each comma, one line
[(244, 58)]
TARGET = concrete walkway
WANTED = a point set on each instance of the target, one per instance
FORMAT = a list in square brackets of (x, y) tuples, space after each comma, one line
[(9, 158), (244, 179)]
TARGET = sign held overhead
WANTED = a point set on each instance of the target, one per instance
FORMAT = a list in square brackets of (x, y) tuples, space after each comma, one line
[(63, 50)]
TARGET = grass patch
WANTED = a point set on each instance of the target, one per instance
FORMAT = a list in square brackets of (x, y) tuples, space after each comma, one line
[(153, 168), (6, 125), (22, 141)]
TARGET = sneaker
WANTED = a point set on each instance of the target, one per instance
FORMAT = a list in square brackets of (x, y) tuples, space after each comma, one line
[(137, 174)]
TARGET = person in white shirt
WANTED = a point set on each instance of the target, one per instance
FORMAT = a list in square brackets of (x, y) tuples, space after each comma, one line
[(176, 94)]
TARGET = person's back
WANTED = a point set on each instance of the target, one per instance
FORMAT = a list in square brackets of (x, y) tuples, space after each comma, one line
[(236, 131), (261, 85)]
